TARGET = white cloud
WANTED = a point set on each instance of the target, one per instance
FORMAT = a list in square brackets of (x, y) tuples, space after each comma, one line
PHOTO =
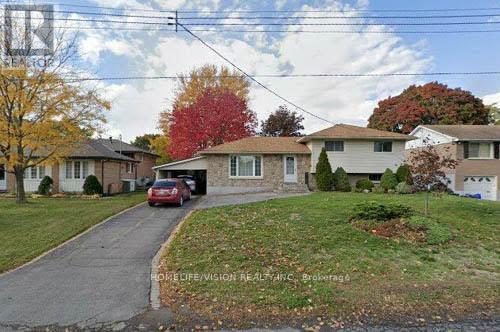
[(492, 99), (137, 104)]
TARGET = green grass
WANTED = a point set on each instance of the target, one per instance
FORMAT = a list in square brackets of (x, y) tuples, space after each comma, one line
[(29, 230), (312, 235)]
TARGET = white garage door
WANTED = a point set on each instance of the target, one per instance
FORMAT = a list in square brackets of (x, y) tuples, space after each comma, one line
[(484, 185)]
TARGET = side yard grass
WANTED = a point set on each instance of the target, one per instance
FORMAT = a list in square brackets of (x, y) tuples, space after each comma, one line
[(29, 230), (299, 259)]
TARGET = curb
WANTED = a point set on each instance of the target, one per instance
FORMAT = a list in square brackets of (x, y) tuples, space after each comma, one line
[(77, 236), (154, 292)]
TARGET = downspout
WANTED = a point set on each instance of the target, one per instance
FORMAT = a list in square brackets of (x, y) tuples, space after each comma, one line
[(102, 176)]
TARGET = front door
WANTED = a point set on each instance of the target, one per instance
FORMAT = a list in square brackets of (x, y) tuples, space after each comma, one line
[(290, 164), (3, 178)]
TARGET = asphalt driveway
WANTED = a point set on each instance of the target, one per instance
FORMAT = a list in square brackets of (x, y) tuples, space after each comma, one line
[(103, 276)]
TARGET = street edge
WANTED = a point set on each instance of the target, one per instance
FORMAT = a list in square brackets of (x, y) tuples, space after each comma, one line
[(154, 292), (77, 236)]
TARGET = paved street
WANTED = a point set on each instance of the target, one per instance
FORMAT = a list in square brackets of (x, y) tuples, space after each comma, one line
[(102, 276)]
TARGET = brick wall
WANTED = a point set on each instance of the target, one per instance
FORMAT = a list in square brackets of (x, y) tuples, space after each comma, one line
[(114, 173), (218, 180), (145, 167)]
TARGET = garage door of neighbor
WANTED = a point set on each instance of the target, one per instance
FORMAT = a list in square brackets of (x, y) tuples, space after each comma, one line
[(484, 185)]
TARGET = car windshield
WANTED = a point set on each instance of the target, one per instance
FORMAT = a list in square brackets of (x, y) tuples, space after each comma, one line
[(165, 184)]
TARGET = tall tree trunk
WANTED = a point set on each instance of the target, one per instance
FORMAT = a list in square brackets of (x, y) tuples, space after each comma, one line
[(20, 193)]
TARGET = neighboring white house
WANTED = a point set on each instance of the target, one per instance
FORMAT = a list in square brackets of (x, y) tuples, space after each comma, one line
[(477, 149)]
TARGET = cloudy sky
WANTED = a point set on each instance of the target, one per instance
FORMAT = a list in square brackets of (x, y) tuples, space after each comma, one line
[(110, 51)]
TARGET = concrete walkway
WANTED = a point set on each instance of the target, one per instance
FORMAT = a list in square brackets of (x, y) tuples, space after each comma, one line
[(222, 200), (103, 276)]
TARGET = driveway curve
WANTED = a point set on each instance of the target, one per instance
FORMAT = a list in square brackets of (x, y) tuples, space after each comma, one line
[(102, 276)]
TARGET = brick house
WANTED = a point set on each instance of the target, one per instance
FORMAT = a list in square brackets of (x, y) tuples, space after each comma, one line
[(477, 150), (288, 164), (118, 166)]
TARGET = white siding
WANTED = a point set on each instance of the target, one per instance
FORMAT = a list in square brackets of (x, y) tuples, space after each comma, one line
[(73, 185), (31, 185), (432, 137), (359, 157)]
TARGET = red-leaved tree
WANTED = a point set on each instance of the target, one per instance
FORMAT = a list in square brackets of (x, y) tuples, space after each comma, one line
[(218, 116), (431, 103), (429, 166)]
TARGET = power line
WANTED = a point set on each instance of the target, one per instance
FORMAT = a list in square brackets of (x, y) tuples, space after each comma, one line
[(268, 24), (252, 78), (410, 10), (423, 32), (162, 77), (268, 17), (342, 24)]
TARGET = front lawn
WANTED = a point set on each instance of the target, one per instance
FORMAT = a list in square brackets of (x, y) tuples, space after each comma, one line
[(29, 230), (299, 260)]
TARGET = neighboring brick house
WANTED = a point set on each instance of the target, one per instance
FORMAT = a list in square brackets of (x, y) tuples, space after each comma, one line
[(117, 172), (289, 163), (477, 150)]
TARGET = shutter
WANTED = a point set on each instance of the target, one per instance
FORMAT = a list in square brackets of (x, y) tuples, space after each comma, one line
[(466, 150), (496, 145)]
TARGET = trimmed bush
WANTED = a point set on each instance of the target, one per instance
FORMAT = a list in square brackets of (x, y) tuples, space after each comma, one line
[(45, 186), (324, 176), (380, 211), (435, 232), (403, 174), (364, 184), (91, 186), (404, 188), (341, 181), (388, 180)]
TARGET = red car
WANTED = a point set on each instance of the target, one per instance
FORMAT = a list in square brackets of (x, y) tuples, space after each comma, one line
[(169, 191)]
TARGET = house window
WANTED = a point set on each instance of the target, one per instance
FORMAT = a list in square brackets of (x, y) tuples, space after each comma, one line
[(34, 173), (480, 150), (85, 169), (245, 166), (382, 146), (334, 146), (41, 172), (2, 172), (375, 177), (76, 170), (69, 169), (129, 167)]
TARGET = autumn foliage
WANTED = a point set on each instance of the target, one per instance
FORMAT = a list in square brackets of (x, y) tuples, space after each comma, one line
[(217, 116), (432, 103)]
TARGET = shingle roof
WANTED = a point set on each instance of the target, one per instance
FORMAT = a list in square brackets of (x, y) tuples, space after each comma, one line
[(355, 132), (117, 145), (468, 132), (94, 149), (262, 145)]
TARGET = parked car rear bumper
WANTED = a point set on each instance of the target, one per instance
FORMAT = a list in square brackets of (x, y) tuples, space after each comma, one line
[(164, 199)]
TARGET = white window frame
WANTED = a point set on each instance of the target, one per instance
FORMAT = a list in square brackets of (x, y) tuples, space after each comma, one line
[(334, 151), (81, 178), (492, 151), (252, 177), (28, 173), (383, 141), (129, 168)]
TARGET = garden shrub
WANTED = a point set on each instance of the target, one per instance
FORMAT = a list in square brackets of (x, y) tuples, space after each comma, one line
[(324, 175), (45, 186), (378, 190), (403, 174), (341, 181), (91, 186), (404, 188), (435, 232), (380, 211), (388, 180), (364, 184)]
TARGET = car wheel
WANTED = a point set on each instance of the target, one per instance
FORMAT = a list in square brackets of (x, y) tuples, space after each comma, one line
[(181, 201), (151, 204)]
